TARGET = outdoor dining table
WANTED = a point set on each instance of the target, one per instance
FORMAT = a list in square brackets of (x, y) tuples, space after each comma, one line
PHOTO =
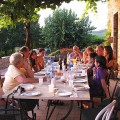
[(44, 94)]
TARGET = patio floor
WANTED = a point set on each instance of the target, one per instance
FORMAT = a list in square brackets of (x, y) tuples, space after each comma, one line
[(61, 110)]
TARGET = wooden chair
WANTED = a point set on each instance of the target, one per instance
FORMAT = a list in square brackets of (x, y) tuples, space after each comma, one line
[(99, 113)]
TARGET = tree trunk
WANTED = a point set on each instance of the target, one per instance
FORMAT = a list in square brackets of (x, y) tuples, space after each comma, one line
[(28, 37), (5, 52)]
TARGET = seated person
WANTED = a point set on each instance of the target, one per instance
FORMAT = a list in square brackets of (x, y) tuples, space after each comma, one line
[(26, 52), (15, 76), (86, 53), (89, 50), (91, 65), (98, 83), (111, 61), (76, 54), (41, 54), (100, 50), (34, 61)]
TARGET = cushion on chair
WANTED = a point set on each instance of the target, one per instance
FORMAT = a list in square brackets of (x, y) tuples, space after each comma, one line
[(90, 113)]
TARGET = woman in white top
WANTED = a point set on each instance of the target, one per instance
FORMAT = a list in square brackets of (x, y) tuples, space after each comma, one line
[(16, 74)]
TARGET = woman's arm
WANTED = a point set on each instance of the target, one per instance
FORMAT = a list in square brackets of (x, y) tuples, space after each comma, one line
[(22, 79), (104, 85), (112, 63)]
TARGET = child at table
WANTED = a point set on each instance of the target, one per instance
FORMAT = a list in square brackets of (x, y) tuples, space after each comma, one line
[(91, 65), (98, 83)]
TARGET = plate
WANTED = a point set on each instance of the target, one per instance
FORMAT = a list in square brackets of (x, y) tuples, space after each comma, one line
[(27, 86), (31, 93), (80, 76), (80, 80), (42, 73), (64, 93), (79, 88)]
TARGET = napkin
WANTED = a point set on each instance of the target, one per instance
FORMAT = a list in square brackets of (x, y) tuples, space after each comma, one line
[(74, 95)]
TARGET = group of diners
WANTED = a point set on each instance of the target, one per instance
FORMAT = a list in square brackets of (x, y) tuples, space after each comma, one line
[(22, 66), (24, 63), (37, 59), (99, 61)]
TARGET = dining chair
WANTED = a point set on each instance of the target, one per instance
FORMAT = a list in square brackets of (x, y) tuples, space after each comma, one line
[(115, 96), (15, 109), (10, 113), (99, 113), (106, 112)]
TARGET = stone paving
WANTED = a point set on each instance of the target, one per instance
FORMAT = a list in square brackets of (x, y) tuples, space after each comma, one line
[(61, 110)]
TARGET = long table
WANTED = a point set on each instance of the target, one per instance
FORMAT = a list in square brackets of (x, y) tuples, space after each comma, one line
[(45, 94)]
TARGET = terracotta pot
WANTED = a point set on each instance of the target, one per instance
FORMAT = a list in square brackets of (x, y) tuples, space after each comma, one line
[(110, 39)]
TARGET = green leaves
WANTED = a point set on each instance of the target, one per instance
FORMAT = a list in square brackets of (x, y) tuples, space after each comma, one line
[(64, 29), (13, 11)]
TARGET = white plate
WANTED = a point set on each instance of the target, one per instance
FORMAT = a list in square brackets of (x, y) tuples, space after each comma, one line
[(27, 86), (31, 93), (40, 73), (80, 80), (77, 71), (80, 76), (79, 88), (64, 93)]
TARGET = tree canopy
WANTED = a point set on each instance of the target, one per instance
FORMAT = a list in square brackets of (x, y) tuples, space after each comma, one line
[(64, 29), (25, 11)]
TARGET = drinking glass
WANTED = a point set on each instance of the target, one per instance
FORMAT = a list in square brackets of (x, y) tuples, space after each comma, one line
[(74, 61), (64, 82), (40, 80)]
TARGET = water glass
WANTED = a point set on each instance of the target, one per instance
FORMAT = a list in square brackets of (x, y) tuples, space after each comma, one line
[(40, 80), (51, 88), (71, 83)]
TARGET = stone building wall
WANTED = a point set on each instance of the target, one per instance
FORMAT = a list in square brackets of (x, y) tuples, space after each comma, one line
[(113, 8)]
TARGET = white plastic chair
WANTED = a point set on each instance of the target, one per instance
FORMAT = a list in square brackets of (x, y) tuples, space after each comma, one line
[(106, 112)]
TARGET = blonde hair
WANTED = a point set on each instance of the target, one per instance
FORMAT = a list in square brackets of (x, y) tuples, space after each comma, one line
[(89, 49), (15, 58)]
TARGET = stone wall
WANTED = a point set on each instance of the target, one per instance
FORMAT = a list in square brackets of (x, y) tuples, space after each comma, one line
[(4, 62), (114, 8)]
